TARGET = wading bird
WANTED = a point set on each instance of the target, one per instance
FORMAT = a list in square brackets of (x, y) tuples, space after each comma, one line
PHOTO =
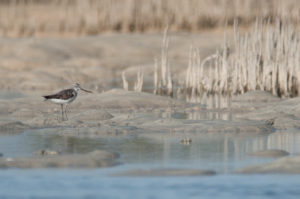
[(65, 97)]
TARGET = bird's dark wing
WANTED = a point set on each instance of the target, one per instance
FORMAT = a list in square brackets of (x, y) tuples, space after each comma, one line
[(64, 95)]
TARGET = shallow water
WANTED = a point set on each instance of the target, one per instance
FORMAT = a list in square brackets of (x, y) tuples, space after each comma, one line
[(72, 184), (219, 152), (223, 154)]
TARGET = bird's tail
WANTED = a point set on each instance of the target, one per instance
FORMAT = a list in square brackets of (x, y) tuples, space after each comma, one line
[(46, 97)]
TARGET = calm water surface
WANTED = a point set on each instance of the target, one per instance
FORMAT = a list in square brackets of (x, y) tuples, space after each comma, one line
[(72, 184), (222, 154)]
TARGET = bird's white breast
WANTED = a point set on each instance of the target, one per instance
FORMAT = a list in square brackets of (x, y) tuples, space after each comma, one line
[(62, 101)]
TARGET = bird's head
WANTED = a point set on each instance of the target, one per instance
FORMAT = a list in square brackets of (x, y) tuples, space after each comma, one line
[(77, 87)]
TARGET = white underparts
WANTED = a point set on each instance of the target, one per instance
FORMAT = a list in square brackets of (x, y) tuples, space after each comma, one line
[(62, 101)]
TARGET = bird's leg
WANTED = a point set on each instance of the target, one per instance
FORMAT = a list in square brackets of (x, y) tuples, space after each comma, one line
[(62, 112), (66, 112)]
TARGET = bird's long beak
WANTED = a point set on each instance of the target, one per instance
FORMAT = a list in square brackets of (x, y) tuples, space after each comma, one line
[(86, 90)]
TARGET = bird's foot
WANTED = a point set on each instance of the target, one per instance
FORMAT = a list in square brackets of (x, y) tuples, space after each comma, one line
[(64, 119)]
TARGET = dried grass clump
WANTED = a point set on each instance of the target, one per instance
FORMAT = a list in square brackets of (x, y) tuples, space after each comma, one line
[(163, 84), (125, 82), (90, 17), (266, 59), (200, 78), (138, 84)]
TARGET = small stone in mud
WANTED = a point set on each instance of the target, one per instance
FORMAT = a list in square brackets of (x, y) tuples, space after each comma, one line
[(1, 154), (46, 152), (186, 141)]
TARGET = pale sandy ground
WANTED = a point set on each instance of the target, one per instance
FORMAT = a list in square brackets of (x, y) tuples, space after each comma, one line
[(41, 66), (46, 64)]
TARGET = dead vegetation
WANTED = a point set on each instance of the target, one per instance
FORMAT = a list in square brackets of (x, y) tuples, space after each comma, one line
[(267, 58), (77, 17)]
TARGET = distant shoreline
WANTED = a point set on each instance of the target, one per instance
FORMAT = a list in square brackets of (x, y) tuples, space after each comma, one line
[(23, 18)]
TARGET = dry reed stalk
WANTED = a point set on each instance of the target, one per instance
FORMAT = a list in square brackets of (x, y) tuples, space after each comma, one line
[(169, 83), (155, 86), (194, 75), (163, 85), (138, 85), (125, 82), (164, 58)]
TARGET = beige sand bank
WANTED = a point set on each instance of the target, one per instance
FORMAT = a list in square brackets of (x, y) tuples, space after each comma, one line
[(47, 64), (94, 159), (285, 165)]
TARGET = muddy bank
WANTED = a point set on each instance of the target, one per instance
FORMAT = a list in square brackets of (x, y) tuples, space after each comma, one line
[(94, 159), (12, 127), (286, 165), (259, 105), (166, 172), (119, 112), (269, 153)]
